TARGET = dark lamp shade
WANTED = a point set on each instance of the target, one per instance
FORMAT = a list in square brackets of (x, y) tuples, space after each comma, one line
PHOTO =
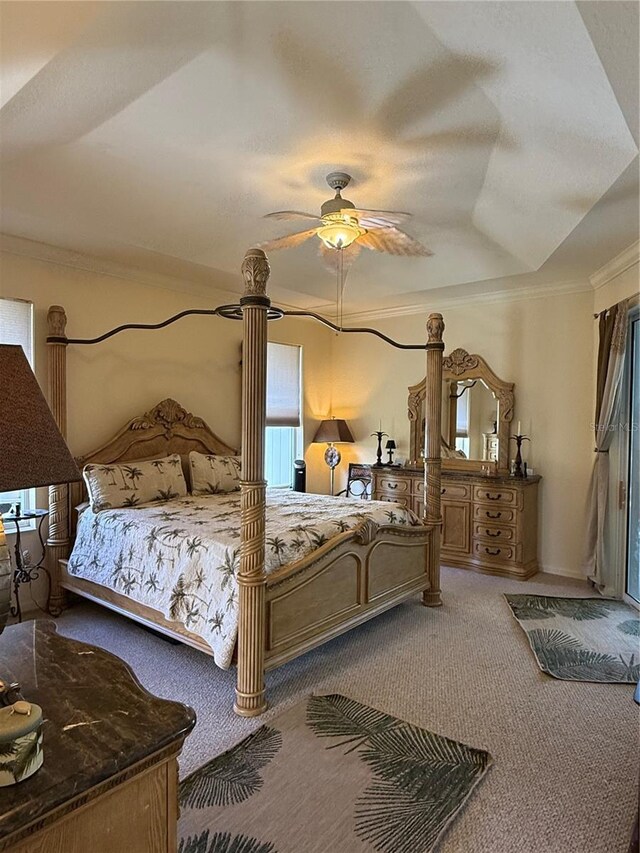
[(390, 445), (32, 450), (333, 430)]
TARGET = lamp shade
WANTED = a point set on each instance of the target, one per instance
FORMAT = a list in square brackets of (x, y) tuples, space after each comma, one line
[(390, 445), (32, 450), (334, 430)]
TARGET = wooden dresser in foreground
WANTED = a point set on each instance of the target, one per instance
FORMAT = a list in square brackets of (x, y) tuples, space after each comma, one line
[(490, 524), (109, 779)]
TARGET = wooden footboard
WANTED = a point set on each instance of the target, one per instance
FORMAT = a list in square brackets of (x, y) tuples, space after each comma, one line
[(345, 585), (351, 579)]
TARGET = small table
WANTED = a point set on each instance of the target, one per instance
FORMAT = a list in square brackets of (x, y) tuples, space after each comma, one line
[(109, 778), (21, 573)]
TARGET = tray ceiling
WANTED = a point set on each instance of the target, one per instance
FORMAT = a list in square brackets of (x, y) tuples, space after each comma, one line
[(157, 135)]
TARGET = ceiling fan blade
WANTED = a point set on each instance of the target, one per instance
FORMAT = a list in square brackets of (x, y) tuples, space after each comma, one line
[(393, 242), (287, 242), (377, 218), (291, 214), (331, 257)]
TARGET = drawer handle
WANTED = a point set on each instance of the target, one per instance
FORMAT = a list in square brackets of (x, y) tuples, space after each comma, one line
[(493, 514), (392, 485), (493, 535), (493, 552), (494, 498), (442, 491)]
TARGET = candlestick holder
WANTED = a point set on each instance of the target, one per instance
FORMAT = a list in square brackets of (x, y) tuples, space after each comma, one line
[(518, 440), (379, 435)]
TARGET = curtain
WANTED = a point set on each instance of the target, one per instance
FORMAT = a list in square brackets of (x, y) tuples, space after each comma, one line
[(611, 347)]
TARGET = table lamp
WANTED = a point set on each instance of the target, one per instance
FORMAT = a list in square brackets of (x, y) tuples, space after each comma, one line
[(32, 453), (332, 431), (390, 447)]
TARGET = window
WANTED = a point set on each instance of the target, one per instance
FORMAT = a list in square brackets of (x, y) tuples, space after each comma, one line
[(283, 439), (16, 327)]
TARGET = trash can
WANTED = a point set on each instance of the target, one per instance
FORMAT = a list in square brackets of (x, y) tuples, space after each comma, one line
[(299, 475)]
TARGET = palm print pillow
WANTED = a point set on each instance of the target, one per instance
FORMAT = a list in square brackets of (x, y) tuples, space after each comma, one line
[(134, 483), (211, 474)]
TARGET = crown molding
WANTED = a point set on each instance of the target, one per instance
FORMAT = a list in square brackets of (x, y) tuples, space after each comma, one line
[(48, 253), (616, 266), (541, 291), (60, 256)]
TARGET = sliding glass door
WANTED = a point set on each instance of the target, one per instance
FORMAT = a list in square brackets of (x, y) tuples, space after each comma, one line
[(633, 481)]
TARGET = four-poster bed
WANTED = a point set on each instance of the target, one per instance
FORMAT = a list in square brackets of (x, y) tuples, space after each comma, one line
[(347, 580)]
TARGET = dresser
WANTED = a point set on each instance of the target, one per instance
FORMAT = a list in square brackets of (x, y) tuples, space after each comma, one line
[(490, 524), (110, 775)]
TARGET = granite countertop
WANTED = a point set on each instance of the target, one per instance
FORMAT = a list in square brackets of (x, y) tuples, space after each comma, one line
[(98, 719)]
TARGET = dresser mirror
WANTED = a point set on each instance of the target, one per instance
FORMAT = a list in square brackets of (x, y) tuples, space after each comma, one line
[(477, 407)]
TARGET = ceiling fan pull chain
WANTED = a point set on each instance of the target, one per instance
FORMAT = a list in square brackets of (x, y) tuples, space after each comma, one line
[(341, 284)]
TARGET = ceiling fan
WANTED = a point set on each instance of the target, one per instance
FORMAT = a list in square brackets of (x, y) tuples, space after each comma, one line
[(343, 229)]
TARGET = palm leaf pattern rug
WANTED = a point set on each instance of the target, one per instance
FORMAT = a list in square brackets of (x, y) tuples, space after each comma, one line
[(333, 775), (581, 639)]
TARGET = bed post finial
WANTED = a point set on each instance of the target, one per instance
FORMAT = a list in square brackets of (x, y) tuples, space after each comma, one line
[(435, 328), (255, 271), (433, 461), (58, 543), (250, 691)]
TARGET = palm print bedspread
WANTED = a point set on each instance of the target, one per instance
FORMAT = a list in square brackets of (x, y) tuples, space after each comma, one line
[(182, 557)]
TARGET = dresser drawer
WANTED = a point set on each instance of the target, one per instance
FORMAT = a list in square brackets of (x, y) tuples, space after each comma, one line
[(455, 492), (448, 491), (494, 514), (494, 532), (492, 552), (395, 485), (496, 495), (403, 500)]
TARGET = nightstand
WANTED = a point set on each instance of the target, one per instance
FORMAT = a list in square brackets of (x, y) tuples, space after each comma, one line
[(110, 776)]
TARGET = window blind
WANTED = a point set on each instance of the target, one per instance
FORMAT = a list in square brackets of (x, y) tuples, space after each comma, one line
[(16, 319), (283, 385)]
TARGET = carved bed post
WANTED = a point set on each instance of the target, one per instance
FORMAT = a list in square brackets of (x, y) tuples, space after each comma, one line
[(250, 690), (433, 461), (58, 542)]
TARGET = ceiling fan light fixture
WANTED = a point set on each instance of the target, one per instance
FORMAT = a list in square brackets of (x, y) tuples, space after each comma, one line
[(339, 231)]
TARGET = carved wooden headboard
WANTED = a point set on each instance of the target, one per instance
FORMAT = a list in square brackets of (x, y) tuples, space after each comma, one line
[(165, 429)]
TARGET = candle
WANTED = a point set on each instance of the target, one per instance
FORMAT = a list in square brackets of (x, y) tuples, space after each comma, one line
[(519, 428), (380, 425)]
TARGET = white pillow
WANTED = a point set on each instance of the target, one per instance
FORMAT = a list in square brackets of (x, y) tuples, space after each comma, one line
[(134, 483), (211, 475)]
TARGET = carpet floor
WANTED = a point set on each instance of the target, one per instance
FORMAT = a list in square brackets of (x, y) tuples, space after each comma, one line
[(565, 755)]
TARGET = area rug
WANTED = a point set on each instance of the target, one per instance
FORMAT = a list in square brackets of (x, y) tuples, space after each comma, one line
[(329, 775), (581, 639)]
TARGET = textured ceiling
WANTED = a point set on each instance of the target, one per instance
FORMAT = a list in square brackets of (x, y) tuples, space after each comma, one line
[(158, 134)]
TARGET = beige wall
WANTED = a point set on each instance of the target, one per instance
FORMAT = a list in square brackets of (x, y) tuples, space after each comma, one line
[(621, 287), (544, 346), (196, 361)]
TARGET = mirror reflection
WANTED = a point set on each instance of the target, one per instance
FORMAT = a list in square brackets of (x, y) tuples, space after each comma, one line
[(470, 419)]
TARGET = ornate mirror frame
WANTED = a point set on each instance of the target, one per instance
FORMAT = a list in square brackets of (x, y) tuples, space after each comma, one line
[(456, 367)]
